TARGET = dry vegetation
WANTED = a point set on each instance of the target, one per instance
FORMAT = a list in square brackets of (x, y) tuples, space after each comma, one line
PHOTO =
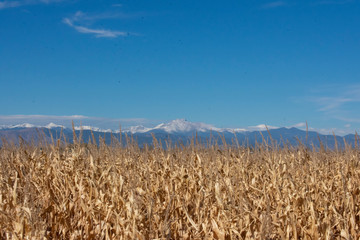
[(52, 191)]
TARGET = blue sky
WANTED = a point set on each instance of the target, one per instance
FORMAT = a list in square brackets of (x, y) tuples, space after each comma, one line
[(227, 63)]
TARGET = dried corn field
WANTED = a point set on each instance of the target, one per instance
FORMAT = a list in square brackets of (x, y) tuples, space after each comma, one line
[(111, 192)]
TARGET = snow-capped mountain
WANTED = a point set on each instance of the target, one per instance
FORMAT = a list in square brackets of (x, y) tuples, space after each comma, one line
[(28, 125), (53, 125), (182, 125), (95, 129), (24, 125), (176, 130), (138, 129), (261, 127), (174, 126)]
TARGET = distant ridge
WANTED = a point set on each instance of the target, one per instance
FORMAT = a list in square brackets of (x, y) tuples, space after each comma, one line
[(179, 130), (174, 126)]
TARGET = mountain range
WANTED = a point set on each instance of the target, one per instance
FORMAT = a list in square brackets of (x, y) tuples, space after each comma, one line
[(176, 131)]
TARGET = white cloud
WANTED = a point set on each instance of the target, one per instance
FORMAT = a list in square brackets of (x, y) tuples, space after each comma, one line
[(100, 32), (97, 32), (78, 17)]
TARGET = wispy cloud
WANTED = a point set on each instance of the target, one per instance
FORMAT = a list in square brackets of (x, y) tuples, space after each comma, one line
[(275, 4), (13, 4), (332, 103), (97, 32), (338, 102), (347, 119), (79, 17)]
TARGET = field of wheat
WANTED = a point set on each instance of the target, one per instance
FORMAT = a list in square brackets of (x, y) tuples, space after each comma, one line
[(78, 191)]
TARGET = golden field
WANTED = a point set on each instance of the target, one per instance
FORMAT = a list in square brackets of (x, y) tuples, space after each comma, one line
[(78, 191)]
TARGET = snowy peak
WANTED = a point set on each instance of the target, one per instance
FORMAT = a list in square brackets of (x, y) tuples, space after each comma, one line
[(261, 127), (24, 125), (28, 125), (138, 129), (171, 127), (232, 130), (94, 129), (182, 125), (53, 125)]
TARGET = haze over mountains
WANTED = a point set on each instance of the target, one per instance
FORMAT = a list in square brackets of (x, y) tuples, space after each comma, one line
[(176, 131)]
